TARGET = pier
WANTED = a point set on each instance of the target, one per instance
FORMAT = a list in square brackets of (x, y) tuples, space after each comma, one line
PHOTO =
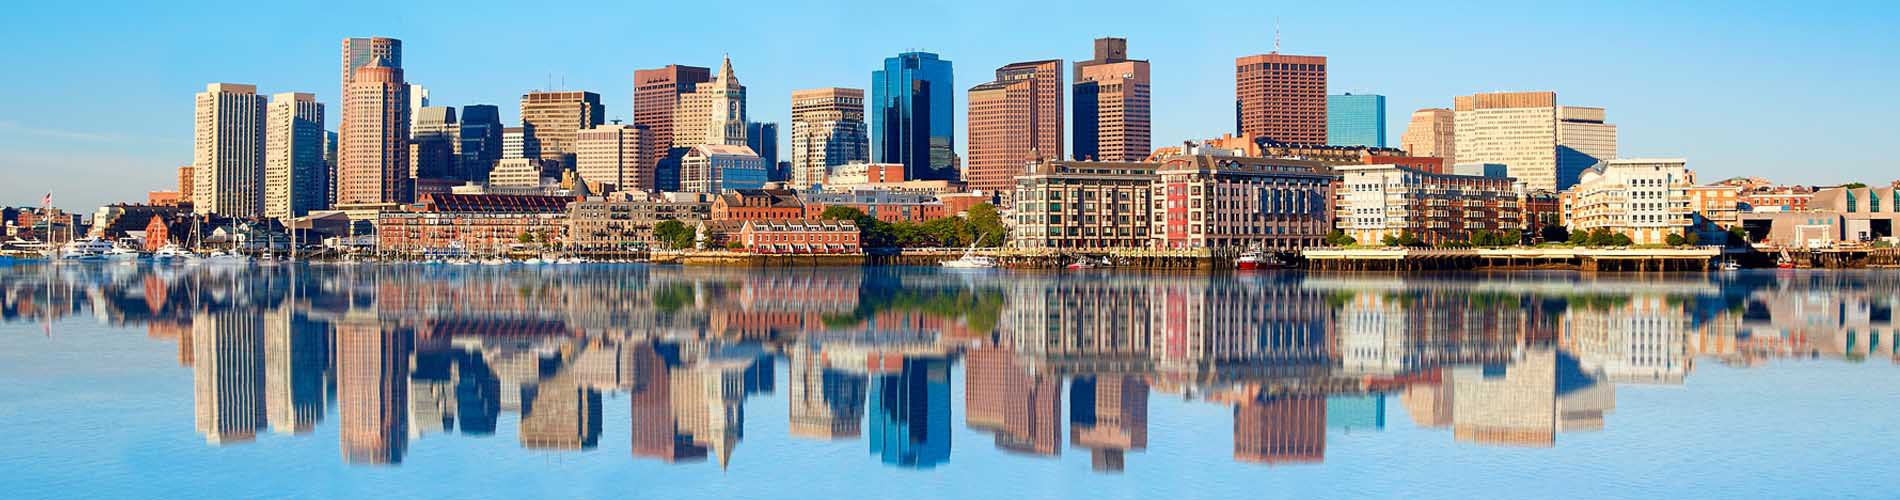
[(1583, 259)]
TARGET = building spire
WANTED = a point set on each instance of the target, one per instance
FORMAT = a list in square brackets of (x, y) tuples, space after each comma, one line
[(1276, 35), (725, 69)]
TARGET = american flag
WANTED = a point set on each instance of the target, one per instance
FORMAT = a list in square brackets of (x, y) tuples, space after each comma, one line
[(47, 201)]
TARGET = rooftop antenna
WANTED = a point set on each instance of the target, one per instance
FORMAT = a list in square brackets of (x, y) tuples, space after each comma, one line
[(1276, 35)]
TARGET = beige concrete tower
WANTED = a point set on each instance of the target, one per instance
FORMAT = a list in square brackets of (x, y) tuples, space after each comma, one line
[(1431, 133), (556, 118), (615, 155), (294, 180), (1545, 145), (714, 113), (373, 167), (228, 151), (1113, 114), (828, 130)]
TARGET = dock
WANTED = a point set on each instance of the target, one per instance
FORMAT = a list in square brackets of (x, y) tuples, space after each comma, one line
[(1583, 259)]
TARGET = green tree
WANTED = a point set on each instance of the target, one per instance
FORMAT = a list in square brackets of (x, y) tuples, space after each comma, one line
[(524, 238), (1620, 240), (1579, 238), (841, 213), (1691, 237), (987, 223), (1737, 235), (1675, 240), (1390, 240), (1340, 239), (673, 234), (1599, 237)]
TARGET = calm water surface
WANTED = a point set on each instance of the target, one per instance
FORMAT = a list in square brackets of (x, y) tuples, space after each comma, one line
[(669, 382)]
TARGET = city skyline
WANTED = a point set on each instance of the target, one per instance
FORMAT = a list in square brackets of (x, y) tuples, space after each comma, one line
[(1672, 112)]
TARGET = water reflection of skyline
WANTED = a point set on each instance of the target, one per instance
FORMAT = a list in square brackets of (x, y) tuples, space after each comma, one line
[(399, 355)]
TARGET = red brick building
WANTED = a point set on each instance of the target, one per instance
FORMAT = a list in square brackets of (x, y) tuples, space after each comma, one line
[(476, 223), (759, 205), (1281, 97), (800, 237)]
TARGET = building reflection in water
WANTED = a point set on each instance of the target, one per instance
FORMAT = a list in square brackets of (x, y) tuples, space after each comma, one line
[(413, 354)]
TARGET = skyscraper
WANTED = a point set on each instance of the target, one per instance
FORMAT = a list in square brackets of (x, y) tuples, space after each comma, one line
[(436, 143), (615, 158), (827, 130), (713, 113), (374, 164), (360, 52), (1432, 132), (913, 116), (1013, 121), (1281, 98), (763, 139), (1112, 107), (1545, 145), (418, 99), (185, 183), (228, 151), (1355, 120), (296, 180), (656, 96), (481, 141), (557, 118)]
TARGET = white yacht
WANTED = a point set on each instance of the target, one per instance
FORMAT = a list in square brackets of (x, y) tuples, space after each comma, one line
[(231, 258), (173, 252), (89, 249), (970, 260)]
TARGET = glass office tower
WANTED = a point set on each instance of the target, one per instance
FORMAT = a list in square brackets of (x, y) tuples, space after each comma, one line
[(1355, 120), (912, 117)]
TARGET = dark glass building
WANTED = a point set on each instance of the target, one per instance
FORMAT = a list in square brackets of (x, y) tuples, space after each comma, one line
[(912, 117), (481, 141)]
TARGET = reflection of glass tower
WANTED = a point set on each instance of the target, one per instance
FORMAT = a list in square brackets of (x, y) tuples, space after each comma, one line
[(228, 375), (1276, 430), (1356, 412), (1108, 414), (562, 416), (372, 364), (477, 394), (826, 403), (911, 116), (910, 414), (296, 355)]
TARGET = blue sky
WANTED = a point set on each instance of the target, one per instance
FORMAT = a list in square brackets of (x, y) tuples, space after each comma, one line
[(98, 104)]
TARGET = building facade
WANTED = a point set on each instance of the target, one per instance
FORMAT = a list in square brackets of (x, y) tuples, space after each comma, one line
[(1014, 120), (1546, 145), (373, 162), (713, 113), (1281, 97), (800, 237), (228, 149), (435, 144), (757, 204), (1083, 205), (295, 178), (913, 115), (828, 130), (1113, 108), (716, 168), (1355, 120), (474, 224), (556, 119), (763, 139), (609, 224), (480, 141), (1432, 132), (1645, 199), (1377, 201), (656, 96), (887, 206), (615, 158), (1208, 201)]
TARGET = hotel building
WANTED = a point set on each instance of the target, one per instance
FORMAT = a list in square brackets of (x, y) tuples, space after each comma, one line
[(1385, 200), (1646, 199), (1281, 97), (1208, 201), (228, 151), (1077, 204), (828, 130), (1113, 110), (615, 158), (295, 180)]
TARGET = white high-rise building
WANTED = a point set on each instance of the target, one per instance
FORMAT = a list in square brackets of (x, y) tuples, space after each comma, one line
[(296, 179), (1545, 145), (228, 151), (1645, 199)]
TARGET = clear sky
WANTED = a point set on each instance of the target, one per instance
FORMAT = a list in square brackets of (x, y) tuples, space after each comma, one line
[(97, 103)]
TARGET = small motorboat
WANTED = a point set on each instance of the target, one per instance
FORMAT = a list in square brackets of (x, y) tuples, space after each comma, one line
[(1255, 259)]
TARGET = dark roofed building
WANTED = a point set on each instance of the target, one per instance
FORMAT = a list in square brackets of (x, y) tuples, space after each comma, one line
[(758, 204)]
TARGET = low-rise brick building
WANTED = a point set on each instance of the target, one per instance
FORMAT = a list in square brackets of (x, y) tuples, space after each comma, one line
[(625, 223), (800, 237), (473, 223)]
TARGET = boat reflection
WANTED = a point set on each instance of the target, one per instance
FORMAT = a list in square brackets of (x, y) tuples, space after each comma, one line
[(402, 354)]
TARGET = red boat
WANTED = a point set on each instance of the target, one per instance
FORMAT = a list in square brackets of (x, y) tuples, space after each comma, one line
[(1257, 260)]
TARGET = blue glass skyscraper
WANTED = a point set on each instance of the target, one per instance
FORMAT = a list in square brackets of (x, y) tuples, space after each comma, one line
[(912, 116), (1355, 120)]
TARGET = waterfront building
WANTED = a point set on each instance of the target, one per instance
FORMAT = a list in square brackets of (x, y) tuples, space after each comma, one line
[(1355, 120), (1377, 201), (913, 115), (555, 119), (716, 168), (1432, 132), (1715, 206), (435, 144), (615, 158), (713, 113), (1645, 199), (1231, 145), (295, 180), (620, 224), (1280, 97), (1832, 216), (1764, 197), (656, 97), (1014, 120), (1541, 208), (1208, 201), (1546, 145), (373, 166), (472, 223), (800, 237), (480, 141), (228, 150), (1113, 107), (887, 206), (757, 204), (828, 130), (1083, 205)]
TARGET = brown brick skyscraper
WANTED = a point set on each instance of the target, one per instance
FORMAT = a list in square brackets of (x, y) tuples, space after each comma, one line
[(373, 164), (1113, 114), (1281, 97), (656, 93), (1013, 120)]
